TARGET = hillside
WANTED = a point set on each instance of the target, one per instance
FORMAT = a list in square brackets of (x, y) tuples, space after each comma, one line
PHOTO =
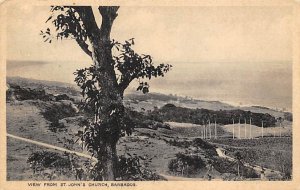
[(47, 114)]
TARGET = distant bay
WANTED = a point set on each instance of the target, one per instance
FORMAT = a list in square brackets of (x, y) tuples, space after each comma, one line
[(259, 83)]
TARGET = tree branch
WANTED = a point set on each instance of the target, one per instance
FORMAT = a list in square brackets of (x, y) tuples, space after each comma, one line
[(84, 47), (125, 82), (109, 14), (87, 16)]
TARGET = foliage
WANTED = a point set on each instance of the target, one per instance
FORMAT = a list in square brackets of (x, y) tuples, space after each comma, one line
[(67, 23), (57, 111), (134, 66), (179, 143), (151, 96), (171, 112), (223, 165), (265, 143), (48, 159), (48, 164), (19, 93), (209, 148), (186, 164), (273, 153), (130, 168), (288, 116), (115, 66), (130, 65), (197, 143)]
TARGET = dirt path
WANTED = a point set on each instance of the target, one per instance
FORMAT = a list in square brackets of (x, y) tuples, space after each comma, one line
[(257, 168), (168, 177), (242, 147), (50, 146)]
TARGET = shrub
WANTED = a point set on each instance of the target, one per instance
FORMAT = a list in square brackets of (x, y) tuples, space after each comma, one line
[(288, 116), (44, 160), (186, 164), (48, 159), (57, 111), (129, 168), (223, 165), (198, 142), (178, 143)]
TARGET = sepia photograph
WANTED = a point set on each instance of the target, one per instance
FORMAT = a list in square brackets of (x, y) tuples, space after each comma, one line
[(148, 93)]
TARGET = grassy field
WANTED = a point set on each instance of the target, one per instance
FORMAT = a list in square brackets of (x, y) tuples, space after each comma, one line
[(24, 119), (193, 130), (243, 131)]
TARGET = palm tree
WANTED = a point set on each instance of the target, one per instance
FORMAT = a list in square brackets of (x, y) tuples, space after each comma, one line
[(238, 158), (209, 116), (250, 123), (233, 126), (245, 126), (215, 118), (240, 126), (203, 123), (279, 119)]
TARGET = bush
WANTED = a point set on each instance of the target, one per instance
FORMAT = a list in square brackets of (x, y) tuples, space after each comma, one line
[(129, 168), (209, 149), (223, 165), (186, 164), (57, 111), (288, 116), (50, 161), (182, 143), (198, 142)]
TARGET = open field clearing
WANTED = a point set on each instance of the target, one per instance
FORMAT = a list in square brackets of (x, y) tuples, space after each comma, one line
[(244, 131), (25, 114), (194, 130)]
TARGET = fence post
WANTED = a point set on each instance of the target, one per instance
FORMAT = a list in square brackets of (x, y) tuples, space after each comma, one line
[(215, 129)]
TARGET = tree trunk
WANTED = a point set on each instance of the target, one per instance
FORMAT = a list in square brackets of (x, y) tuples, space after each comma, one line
[(112, 109), (108, 160)]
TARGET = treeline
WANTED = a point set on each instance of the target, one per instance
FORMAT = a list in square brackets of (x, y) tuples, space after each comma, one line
[(16, 92), (170, 112)]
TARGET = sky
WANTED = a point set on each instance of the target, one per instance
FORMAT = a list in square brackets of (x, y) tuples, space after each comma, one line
[(234, 54)]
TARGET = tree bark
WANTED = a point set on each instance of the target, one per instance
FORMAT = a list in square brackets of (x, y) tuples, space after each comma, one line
[(110, 111), (108, 158), (102, 59)]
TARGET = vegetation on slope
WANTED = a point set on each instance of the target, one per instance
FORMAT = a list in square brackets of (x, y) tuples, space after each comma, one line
[(171, 112)]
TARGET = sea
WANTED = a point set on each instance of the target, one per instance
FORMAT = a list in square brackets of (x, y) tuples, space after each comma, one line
[(266, 84)]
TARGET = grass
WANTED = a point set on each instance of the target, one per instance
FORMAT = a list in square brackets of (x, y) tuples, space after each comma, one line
[(31, 119), (257, 131), (273, 153), (192, 130)]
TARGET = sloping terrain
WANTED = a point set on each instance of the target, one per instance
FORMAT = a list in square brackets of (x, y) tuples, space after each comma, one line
[(47, 112)]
